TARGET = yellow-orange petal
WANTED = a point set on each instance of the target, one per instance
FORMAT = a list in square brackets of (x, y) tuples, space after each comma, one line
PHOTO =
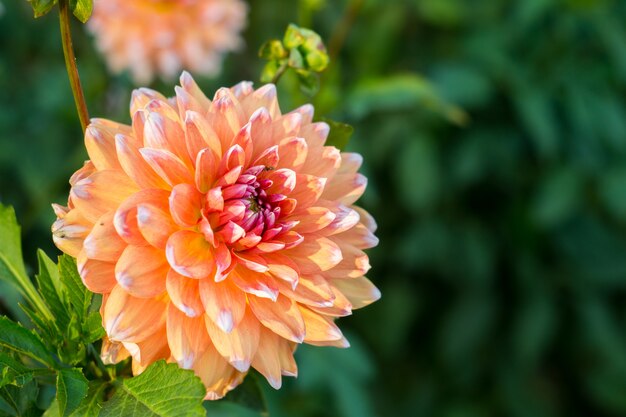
[(267, 358), (281, 316), (134, 165), (358, 236), (359, 291), (355, 263), (189, 254), (293, 153), (167, 165), (98, 276), (315, 255), (184, 293), (69, 232), (217, 374), (312, 290), (345, 188), (100, 144), (161, 131), (112, 352), (103, 243), (155, 223), (256, 283), (312, 219), (131, 319), (149, 350), (239, 346), (308, 189), (125, 219), (319, 328), (223, 302), (185, 203), (101, 192), (187, 337), (141, 271)]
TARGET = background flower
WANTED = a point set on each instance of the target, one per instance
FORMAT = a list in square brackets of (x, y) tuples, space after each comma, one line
[(162, 37), (222, 233)]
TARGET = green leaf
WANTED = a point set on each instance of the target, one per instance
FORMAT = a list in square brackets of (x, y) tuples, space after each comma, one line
[(339, 134), (293, 37), (162, 390), (15, 337), (78, 295), (48, 283), (13, 372), (82, 9), (41, 7), (71, 389), (92, 327), (92, 403), (11, 264)]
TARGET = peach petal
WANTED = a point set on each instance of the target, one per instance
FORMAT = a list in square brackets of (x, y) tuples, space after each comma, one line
[(141, 271), (101, 192), (217, 374), (293, 153), (130, 319), (341, 306), (316, 255), (225, 116), (359, 291), (359, 236), (83, 172), (141, 97), (239, 346), (284, 180), (315, 134), (103, 243), (250, 282), (283, 268), (312, 290), (265, 97), (100, 144), (200, 135), (167, 165), (308, 189), (149, 350), (155, 223), (281, 316), (345, 188), (185, 205), (267, 358), (207, 164), (313, 219), (189, 85), (319, 328), (69, 232), (112, 352), (165, 133), (355, 263), (251, 261), (189, 254), (345, 218), (223, 303), (134, 165), (366, 218), (322, 162), (187, 337), (125, 219), (306, 111), (98, 276), (184, 293)]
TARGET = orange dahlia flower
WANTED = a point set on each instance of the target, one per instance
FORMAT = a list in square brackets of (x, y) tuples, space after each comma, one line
[(162, 37), (221, 233)]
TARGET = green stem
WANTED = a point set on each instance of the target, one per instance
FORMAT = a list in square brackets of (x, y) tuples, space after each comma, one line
[(279, 73), (70, 64)]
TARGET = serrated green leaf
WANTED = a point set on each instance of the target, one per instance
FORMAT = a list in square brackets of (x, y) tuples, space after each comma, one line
[(72, 387), (48, 284), (15, 337), (11, 263), (82, 9), (13, 372), (42, 7), (77, 294), (92, 403), (162, 390), (92, 327), (339, 134)]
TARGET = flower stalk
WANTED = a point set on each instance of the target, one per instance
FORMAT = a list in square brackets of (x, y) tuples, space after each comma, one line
[(70, 64)]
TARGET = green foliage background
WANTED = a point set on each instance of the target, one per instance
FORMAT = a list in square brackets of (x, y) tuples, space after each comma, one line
[(502, 260)]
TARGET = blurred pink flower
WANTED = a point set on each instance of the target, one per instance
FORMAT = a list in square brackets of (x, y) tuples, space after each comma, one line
[(221, 233), (162, 37)]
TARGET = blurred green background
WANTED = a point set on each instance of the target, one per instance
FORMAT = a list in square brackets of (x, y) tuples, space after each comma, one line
[(494, 137)]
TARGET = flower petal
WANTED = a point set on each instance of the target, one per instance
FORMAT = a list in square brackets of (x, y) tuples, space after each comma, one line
[(103, 243), (155, 223), (141, 271), (185, 205), (184, 293), (101, 192), (131, 319), (189, 254), (319, 328), (98, 276), (359, 291), (134, 165), (187, 337), (281, 316), (239, 346), (224, 303), (167, 165), (315, 255)]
